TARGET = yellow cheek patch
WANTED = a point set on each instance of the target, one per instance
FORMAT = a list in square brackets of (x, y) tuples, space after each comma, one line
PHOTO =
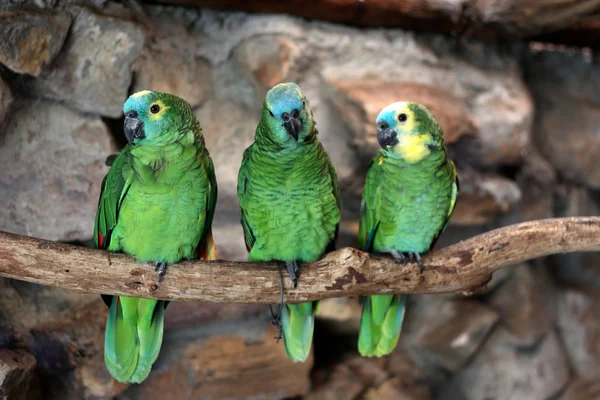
[(412, 148), (158, 115), (410, 124)]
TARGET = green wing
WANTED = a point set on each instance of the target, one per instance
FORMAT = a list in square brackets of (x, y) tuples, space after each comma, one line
[(211, 201), (336, 193), (115, 186), (369, 218), (453, 197), (249, 238)]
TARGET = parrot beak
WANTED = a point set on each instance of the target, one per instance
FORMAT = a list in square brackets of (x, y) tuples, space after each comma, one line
[(386, 136), (133, 127), (292, 124)]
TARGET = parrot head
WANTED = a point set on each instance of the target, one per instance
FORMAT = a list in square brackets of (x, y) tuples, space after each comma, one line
[(408, 130), (287, 114), (157, 118)]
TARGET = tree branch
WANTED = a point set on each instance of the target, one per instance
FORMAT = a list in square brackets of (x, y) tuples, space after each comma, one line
[(464, 266)]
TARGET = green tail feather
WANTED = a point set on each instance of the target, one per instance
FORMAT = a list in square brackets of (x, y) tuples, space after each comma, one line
[(298, 322), (134, 332), (380, 324)]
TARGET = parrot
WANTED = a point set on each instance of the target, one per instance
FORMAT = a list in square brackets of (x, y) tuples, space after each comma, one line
[(288, 193), (409, 195), (156, 204)]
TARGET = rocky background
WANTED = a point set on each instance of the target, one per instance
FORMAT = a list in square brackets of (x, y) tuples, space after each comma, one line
[(521, 118)]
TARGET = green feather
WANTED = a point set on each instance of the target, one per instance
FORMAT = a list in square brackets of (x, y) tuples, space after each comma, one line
[(407, 202), (289, 201), (157, 204)]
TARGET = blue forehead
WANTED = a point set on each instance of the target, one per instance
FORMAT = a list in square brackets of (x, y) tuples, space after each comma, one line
[(387, 115), (284, 97), (139, 100)]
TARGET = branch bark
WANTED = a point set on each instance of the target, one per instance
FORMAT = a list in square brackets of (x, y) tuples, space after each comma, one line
[(482, 18), (465, 266)]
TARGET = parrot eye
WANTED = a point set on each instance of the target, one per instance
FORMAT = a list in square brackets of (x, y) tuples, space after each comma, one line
[(155, 109), (402, 117)]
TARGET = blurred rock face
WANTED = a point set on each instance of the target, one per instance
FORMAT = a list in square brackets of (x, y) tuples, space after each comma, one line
[(66, 71)]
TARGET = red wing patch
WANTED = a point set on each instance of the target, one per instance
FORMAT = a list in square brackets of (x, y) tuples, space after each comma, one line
[(100, 241)]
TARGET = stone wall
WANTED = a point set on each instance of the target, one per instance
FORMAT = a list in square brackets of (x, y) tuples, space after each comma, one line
[(520, 121)]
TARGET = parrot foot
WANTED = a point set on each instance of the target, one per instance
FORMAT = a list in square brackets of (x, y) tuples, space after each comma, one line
[(276, 321), (401, 258), (293, 268), (408, 256), (161, 267)]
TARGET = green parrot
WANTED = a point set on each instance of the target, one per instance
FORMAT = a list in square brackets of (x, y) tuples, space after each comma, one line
[(410, 194), (289, 200), (156, 204)]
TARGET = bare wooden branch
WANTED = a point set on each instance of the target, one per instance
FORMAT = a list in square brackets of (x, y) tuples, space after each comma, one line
[(487, 19), (465, 266)]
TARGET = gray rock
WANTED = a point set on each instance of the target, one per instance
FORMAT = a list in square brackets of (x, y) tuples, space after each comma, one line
[(93, 71), (581, 269), (440, 332), (53, 163), (505, 370), (484, 197), (31, 38), (168, 63), (566, 84), (486, 108), (579, 324), (582, 389), (6, 98), (526, 303)]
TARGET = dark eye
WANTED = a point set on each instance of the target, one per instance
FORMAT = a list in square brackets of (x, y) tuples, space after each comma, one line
[(303, 104), (155, 109), (402, 117), (272, 115)]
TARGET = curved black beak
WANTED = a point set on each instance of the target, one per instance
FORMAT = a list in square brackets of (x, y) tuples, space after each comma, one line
[(386, 136), (292, 124), (133, 127)]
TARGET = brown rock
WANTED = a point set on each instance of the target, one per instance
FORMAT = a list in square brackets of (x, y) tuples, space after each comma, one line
[(348, 379), (505, 370), (267, 61), (484, 197), (95, 381), (360, 103), (16, 371), (341, 315), (239, 359), (445, 333), (526, 303), (582, 389), (31, 38), (53, 163), (6, 99), (394, 389), (581, 269), (578, 325), (566, 84), (166, 64), (93, 71)]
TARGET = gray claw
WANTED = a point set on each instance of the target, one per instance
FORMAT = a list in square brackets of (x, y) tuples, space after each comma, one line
[(161, 267), (293, 268), (401, 258)]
